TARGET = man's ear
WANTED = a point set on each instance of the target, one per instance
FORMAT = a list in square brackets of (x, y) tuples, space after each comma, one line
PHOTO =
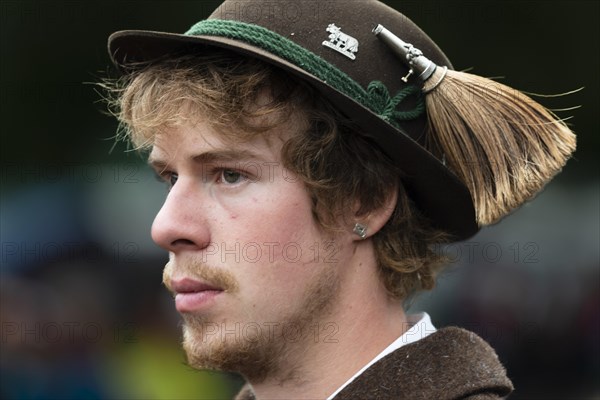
[(367, 225)]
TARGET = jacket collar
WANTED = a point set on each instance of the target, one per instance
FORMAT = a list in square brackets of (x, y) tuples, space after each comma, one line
[(451, 363)]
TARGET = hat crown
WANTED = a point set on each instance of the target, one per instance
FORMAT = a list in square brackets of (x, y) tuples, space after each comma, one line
[(308, 23)]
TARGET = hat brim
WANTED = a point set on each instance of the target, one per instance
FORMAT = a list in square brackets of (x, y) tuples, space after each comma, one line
[(436, 191)]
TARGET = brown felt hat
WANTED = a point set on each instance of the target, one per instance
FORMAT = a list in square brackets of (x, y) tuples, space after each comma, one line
[(330, 45)]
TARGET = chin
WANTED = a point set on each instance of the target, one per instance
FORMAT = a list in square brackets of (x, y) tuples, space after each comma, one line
[(209, 347)]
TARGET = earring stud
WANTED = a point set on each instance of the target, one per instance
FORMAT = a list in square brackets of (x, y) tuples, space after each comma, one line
[(360, 230)]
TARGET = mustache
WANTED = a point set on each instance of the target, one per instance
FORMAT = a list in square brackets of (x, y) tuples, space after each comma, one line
[(199, 271)]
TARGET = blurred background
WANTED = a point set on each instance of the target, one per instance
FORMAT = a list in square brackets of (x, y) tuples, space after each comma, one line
[(83, 311)]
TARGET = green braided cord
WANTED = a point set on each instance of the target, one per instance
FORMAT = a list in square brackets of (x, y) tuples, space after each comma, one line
[(376, 97), (385, 105)]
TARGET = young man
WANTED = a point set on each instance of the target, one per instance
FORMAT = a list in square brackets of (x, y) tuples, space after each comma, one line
[(314, 163)]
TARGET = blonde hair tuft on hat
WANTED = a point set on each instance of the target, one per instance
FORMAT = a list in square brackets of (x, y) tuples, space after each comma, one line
[(502, 144)]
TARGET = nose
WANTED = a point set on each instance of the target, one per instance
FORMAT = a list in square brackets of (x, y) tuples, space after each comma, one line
[(181, 224)]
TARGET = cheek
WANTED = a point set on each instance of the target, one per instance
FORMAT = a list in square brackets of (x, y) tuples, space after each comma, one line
[(289, 224), (273, 215), (283, 231)]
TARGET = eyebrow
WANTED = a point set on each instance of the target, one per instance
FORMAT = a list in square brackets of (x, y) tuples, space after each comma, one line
[(209, 157)]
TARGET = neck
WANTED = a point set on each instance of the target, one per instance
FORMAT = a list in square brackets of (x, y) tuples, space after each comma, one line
[(362, 323)]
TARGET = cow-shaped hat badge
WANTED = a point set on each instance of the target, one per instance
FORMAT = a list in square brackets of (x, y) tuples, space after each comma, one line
[(341, 42)]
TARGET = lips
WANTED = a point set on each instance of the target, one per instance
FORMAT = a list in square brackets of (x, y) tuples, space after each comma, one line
[(192, 295)]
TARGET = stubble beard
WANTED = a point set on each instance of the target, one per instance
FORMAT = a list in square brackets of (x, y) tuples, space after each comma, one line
[(263, 355)]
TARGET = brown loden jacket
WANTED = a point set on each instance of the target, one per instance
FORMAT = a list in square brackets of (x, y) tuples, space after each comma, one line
[(450, 364)]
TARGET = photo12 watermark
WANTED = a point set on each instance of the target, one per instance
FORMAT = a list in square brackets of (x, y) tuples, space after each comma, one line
[(66, 332), (253, 332)]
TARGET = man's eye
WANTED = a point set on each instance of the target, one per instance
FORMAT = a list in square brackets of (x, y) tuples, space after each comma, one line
[(230, 176), (172, 179)]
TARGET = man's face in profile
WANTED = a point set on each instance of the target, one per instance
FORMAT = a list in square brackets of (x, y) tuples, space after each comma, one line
[(252, 272)]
